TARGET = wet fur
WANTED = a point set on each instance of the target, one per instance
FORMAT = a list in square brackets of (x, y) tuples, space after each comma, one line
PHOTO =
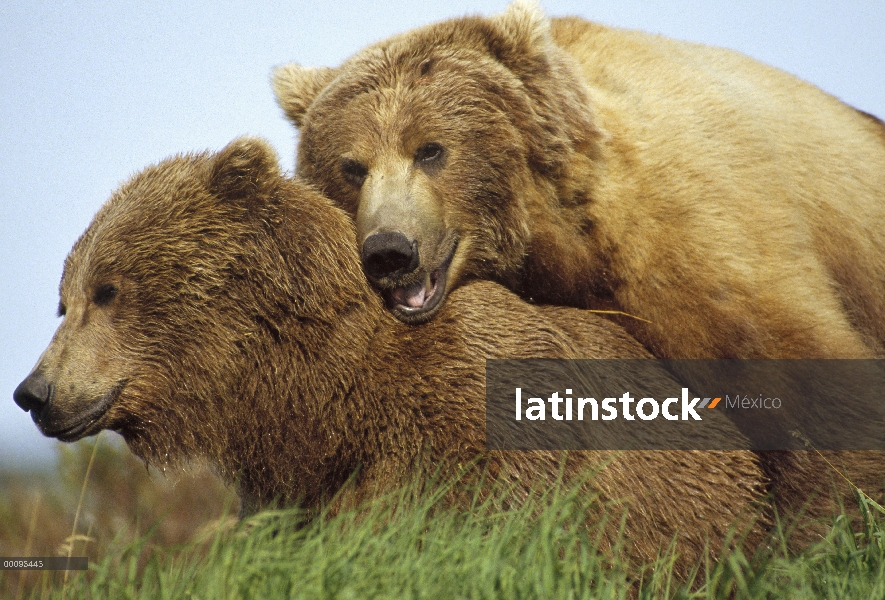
[(247, 336)]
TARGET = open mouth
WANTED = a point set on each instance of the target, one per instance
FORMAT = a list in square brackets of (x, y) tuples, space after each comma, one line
[(418, 301), (84, 424)]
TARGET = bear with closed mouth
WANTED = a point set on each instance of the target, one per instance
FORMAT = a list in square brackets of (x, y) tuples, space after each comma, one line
[(216, 310), (736, 210)]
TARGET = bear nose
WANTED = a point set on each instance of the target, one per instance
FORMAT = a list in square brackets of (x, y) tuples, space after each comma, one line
[(388, 254), (33, 393)]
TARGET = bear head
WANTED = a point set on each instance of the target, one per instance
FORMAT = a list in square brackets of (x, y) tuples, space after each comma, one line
[(439, 142), (193, 284)]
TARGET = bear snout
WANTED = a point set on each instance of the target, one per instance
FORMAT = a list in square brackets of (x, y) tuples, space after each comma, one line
[(33, 393), (389, 254)]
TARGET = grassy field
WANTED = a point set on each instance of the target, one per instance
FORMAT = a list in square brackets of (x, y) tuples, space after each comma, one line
[(150, 537)]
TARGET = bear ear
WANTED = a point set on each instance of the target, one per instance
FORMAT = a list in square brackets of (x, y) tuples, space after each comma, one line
[(296, 88), (524, 29), (245, 169)]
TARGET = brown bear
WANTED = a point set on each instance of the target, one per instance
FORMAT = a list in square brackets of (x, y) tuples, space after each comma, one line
[(216, 310), (737, 211)]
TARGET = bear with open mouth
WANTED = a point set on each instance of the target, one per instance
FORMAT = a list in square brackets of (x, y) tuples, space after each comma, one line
[(737, 211)]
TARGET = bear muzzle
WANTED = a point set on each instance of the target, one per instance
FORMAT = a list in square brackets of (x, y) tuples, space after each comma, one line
[(389, 254), (413, 289), (65, 421)]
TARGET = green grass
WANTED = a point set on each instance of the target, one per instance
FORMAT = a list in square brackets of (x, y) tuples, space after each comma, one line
[(409, 545)]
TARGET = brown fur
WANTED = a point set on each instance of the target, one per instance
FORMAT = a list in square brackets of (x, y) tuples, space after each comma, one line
[(736, 209), (243, 332)]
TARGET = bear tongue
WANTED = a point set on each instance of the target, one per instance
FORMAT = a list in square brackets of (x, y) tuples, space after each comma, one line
[(412, 296)]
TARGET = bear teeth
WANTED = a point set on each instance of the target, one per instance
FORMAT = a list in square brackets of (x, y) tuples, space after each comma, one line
[(415, 295), (412, 296)]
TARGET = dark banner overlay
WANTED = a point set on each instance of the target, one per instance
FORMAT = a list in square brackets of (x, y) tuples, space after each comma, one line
[(545, 404), (44, 563)]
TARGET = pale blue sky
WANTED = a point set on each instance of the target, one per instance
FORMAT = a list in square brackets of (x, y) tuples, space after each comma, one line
[(90, 93)]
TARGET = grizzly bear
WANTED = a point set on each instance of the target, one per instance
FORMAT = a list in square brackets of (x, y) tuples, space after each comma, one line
[(734, 210), (216, 310)]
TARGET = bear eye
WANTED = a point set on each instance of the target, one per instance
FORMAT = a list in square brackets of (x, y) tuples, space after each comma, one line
[(62, 309), (104, 294), (429, 153), (354, 172)]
